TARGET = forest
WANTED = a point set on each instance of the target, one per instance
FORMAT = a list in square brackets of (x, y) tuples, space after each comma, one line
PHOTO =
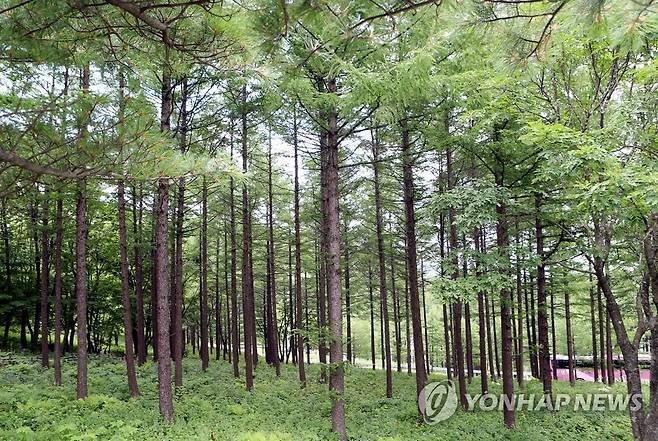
[(313, 220)]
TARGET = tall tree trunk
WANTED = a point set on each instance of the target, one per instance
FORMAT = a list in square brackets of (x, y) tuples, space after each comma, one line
[(396, 317), (139, 276), (467, 322), (457, 304), (482, 327), (604, 368), (372, 317), (235, 328), (228, 350), (162, 277), (608, 347), (203, 350), (45, 270), (542, 316), (335, 303), (162, 269), (272, 328), (407, 336), (428, 365), (125, 293), (502, 241), (81, 265), (7, 263), (519, 315), (34, 219), (58, 292), (177, 311), (383, 294), (410, 223), (447, 340), (247, 282), (570, 354), (592, 318), (348, 305), (298, 268), (534, 363), (219, 337)]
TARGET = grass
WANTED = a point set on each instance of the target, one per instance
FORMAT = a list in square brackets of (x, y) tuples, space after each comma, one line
[(215, 406)]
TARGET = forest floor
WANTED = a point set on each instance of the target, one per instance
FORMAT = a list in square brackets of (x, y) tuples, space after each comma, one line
[(215, 406)]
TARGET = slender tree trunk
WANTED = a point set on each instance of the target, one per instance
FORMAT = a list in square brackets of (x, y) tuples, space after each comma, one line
[(139, 276), (534, 365), (608, 347), (162, 277), (272, 328), (428, 365), (396, 317), (519, 316), (247, 283), (81, 265), (203, 350), (482, 327), (456, 305), (125, 292), (162, 269), (34, 331), (406, 321), (177, 309), (45, 272), (542, 316), (298, 268), (348, 306), (372, 317), (604, 368), (336, 378), (446, 327), (235, 328), (58, 292), (219, 338), (553, 336), (570, 354), (322, 267), (592, 318), (227, 292), (502, 240), (410, 223), (7, 262), (467, 322)]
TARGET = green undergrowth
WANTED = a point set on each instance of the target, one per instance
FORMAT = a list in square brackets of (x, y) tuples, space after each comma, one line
[(215, 406)]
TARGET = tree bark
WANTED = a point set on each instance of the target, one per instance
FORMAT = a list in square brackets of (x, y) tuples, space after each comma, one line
[(570, 354), (410, 223), (502, 240), (45, 273), (247, 283), (81, 265), (272, 328), (58, 292), (298, 267), (203, 350), (125, 293), (542, 316), (457, 304), (482, 327), (335, 303), (235, 329), (139, 276)]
